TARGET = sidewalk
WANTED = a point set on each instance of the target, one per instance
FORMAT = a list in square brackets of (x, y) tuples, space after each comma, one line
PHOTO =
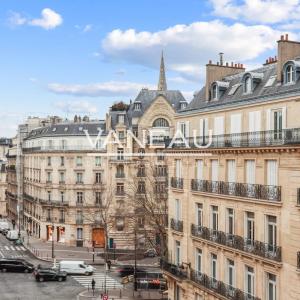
[(43, 251)]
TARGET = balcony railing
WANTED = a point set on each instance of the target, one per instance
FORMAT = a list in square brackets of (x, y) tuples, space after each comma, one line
[(141, 173), (175, 270), (177, 182), (268, 138), (298, 260), (237, 242), (79, 221), (177, 225), (256, 191), (120, 175), (120, 193), (53, 202), (61, 220), (219, 287)]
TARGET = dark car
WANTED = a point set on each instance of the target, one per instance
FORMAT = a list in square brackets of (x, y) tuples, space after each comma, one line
[(15, 265), (128, 270), (49, 274)]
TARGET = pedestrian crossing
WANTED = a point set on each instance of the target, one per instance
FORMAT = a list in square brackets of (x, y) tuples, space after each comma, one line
[(12, 248), (100, 280)]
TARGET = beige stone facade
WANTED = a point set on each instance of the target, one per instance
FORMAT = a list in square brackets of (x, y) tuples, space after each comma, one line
[(3, 187), (234, 206)]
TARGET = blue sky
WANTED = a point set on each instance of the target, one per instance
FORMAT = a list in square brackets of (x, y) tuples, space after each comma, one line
[(78, 57)]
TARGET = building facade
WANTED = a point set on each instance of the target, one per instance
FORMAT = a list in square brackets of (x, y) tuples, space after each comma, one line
[(234, 195)]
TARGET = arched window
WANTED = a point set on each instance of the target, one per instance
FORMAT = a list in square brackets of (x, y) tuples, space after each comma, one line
[(160, 122), (215, 91), (248, 85), (289, 74)]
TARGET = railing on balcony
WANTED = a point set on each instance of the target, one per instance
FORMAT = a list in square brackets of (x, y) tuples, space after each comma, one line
[(298, 260), (141, 173), (175, 270), (61, 220), (256, 191), (120, 193), (53, 202), (120, 175), (79, 221), (219, 287), (177, 182), (264, 250), (239, 140), (177, 225)]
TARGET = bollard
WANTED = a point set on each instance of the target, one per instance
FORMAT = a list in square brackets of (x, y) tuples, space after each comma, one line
[(120, 293)]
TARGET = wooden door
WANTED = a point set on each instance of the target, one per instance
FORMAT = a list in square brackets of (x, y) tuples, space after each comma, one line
[(98, 237)]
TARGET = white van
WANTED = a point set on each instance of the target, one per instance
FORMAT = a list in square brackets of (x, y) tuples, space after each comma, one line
[(12, 235), (4, 225), (76, 267)]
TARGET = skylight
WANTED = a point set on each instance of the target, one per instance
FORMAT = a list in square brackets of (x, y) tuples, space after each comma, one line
[(234, 89), (270, 81)]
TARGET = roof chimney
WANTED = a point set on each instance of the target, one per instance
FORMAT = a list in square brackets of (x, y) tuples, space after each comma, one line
[(286, 37), (221, 58)]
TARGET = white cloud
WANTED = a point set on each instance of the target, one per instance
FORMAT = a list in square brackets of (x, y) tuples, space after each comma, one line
[(76, 107), (49, 19), (104, 89), (188, 48), (263, 11), (87, 28)]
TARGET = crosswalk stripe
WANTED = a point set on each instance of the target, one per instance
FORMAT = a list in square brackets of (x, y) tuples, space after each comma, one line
[(12, 248), (99, 280), (22, 248), (18, 248), (6, 247)]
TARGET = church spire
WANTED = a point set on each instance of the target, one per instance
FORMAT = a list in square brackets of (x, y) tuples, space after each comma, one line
[(162, 83)]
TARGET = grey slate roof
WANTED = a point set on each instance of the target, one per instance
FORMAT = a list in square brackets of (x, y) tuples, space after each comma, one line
[(146, 98), (5, 141), (259, 94), (68, 129)]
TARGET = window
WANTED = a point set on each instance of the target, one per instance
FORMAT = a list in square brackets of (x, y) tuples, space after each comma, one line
[(141, 171), (199, 214), (160, 187), (214, 259), (79, 161), (121, 118), (160, 155), (141, 222), (49, 160), (79, 233), (177, 293), (214, 219), (199, 169), (49, 195), (62, 215), (80, 197), (271, 287), (231, 167), (160, 122), (250, 228), (272, 171), (198, 261), (98, 161), (230, 222), (248, 85), (271, 233), (183, 105), (250, 171), (61, 177), (120, 155), (177, 253), (141, 187), (214, 170), (63, 144), (62, 196), (120, 189), (62, 161), (230, 273), (121, 135), (98, 178), (79, 178), (277, 123), (177, 210), (178, 168), (120, 171), (49, 176), (203, 130), (214, 91), (49, 214), (249, 281), (137, 106), (183, 127), (289, 74), (98, 198)]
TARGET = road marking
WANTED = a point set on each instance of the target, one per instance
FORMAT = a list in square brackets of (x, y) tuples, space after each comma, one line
[(99, 278), (18, 248), (6, 247), (1, 254), (22, 248), (12, 248)]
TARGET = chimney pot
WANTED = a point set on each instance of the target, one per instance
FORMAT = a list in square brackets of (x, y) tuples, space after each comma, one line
[(217, 63), (286, 37), (267, 61), (227, 64), (242, 66), (282, 37), (235, 65), (210, 62), (232, 63)]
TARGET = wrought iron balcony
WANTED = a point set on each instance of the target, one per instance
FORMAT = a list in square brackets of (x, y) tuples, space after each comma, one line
[(177, 182), (175, 270), (298, 260), (177, 225), (120, 175), (61, 220), (141, 173), (120, 193), (284, 137), (79, 221), (256, 191), (237, 242), (219, 287)]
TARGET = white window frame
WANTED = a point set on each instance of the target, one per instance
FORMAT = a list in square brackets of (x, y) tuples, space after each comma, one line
[(273, 283), (230, 215), (249, 275), (199, 214)]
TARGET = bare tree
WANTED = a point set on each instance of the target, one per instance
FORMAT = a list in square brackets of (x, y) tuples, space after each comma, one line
[(147, 193)]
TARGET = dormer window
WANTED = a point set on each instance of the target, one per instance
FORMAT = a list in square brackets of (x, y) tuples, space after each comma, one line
[(215, 92), (248, 85), (289, 74), (183, 105), (218, 88), (137, 106), (121, 119)]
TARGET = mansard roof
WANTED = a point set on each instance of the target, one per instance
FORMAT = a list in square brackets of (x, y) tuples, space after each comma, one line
[(68, 129), (261, 93)]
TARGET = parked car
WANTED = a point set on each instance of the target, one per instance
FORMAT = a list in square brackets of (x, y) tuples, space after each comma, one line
[(5, 231), (129, 270), (4, 226), (150, 253), (12, 235), (76, 267), (15, 265), (49, 274)]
